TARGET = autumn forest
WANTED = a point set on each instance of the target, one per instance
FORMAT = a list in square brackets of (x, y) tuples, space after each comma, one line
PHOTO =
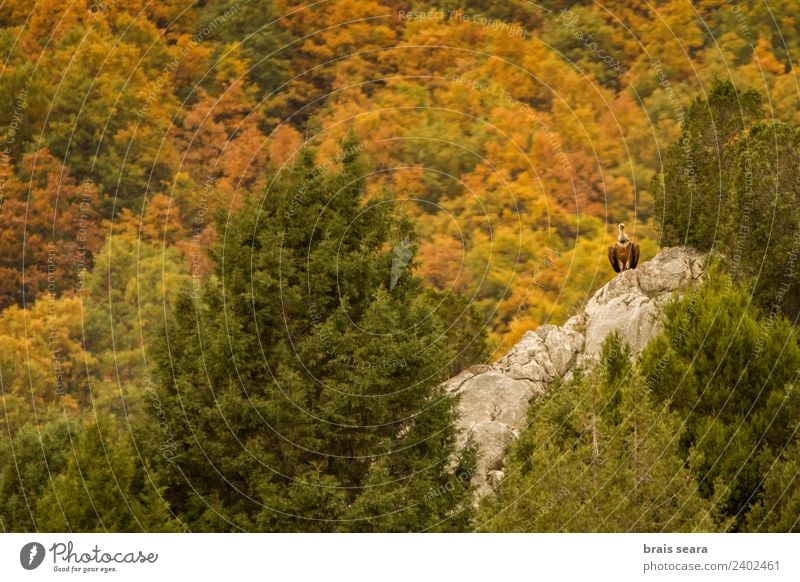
[(243, 243)]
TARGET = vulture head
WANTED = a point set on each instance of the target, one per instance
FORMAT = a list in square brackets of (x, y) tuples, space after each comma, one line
[(624, 254)]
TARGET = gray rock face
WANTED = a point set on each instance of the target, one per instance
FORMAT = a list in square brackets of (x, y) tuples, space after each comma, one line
[(494, 399)]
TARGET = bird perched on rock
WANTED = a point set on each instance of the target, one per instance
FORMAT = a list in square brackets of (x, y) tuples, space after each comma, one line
[(624, 254)]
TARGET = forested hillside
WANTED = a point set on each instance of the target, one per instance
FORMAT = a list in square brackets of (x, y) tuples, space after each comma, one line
[(243, 243)]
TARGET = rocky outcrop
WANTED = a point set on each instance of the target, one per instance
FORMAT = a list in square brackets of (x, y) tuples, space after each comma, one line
[(494, 399)]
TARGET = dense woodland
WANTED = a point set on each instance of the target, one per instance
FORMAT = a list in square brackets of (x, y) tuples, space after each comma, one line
[(243, 243)]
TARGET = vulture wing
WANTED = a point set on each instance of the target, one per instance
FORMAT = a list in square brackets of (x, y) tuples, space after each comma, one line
[(612, 258), (634, 255)]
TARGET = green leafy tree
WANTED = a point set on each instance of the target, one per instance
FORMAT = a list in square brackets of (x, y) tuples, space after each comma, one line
[(600, 454), (26, 464), (264, 44), (732, 183), (304, 384), (778, 506), (72, 475), (764, 240), (693, 193), (127, 292), (103, 486), (727, 370)]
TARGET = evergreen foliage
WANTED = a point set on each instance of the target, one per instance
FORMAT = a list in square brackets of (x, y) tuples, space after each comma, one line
[(600, 454), (728, 371), (83, 477), (731, 183), (303, 388), (693, 202), (513, 134)]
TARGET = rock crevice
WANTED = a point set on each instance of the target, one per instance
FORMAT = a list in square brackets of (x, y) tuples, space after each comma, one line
[(494, 399)]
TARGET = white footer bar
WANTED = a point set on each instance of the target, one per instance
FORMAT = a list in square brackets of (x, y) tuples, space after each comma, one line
[(401, 558)]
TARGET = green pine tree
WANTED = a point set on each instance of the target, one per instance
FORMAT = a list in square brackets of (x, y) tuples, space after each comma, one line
[(727, 370), (26, 463), (78, 476), (304, 386), (778, 507), (104, 486), (693, 193), (731, 183), (599, 455), (764, 240)]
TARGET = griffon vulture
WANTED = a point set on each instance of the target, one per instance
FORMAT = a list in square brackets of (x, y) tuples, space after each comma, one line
[(624, 254)]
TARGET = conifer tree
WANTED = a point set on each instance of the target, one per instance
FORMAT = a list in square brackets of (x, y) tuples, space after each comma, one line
[(26, 463), (693, 195), (728, 371), (304, 384), (763, 243), (778, 506), (599, 454), (78, 476), (103, 486)]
